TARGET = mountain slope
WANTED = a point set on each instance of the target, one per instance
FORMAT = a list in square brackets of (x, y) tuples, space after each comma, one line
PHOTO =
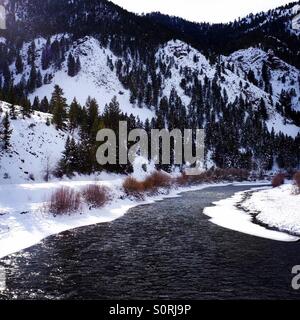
[(238, 81)]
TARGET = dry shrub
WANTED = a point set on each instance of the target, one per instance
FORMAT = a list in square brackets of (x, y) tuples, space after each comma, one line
[(214, 175), (235, 174), (132, 187), (200, 178), (182, 180), (64, 201), (157, 180), (297, 180), (96, 196), (160, 180), (278, 180)]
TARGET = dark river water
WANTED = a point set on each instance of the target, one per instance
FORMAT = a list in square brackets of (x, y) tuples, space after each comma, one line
[(165, 250)]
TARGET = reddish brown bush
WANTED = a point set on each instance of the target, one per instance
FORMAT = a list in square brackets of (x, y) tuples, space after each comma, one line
[(64, 201), (297, 179), (96, 196), (278, 180), (182, 180), (161, 180), (156, 181), (200, 178), (132, 187), (215, 175), (151, 184)]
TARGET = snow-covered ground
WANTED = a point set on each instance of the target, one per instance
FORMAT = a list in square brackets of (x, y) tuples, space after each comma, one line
[(278, 208)]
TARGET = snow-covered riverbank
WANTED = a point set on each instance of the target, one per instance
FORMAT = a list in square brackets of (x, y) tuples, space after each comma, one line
[(23, 222), (277, 208)]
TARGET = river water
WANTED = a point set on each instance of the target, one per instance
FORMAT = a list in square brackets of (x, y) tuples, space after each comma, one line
[(165, 250)]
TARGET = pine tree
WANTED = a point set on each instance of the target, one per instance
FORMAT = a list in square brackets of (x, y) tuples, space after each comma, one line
[(74, 115), (58, 107), (62, 167), (31, 53), (5, 132), (92, 111), (19, 64), (112, 114), (32, 81), (46, 56), (77, 66), (69, 162), (263, 110), (39, 79), (44, 105), (71, 66), (26, 107), (36, 104), (13, 112)]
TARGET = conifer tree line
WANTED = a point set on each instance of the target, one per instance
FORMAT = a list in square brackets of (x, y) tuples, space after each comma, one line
[(236, 133), (229, 144), (249, 146)]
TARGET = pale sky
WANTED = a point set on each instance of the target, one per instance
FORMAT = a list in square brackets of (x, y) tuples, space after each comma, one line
[(202, 10)]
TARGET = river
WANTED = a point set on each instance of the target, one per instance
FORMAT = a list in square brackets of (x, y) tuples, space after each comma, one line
[(165, 250)]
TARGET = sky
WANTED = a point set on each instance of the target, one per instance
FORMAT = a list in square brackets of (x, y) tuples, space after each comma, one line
[(213, 11)]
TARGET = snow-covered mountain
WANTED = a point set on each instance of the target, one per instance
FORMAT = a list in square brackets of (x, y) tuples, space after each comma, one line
[(98, 79), (162, 69)]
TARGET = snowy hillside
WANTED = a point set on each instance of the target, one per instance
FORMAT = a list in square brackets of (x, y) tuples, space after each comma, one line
[(282, 75), (180, 56), (34, 147), (97, 77)]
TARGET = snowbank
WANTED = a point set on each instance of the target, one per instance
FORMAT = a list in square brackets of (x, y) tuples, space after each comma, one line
[(278, 209)]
